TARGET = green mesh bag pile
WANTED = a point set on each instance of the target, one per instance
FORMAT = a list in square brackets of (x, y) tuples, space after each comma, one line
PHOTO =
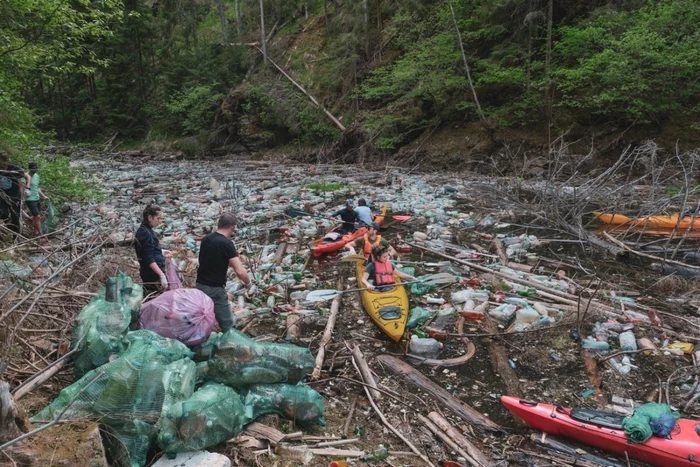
[(239, 361), (103, 323)]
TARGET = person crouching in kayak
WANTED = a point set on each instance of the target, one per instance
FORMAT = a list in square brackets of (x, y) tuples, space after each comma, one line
[(379, 274), (348, 215), (370, 240)]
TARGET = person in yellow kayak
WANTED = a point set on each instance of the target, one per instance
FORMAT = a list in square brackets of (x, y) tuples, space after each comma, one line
[(370, 240), (379, 274)]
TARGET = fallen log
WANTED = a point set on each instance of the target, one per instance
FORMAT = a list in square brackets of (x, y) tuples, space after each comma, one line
[(327, 333), (474, 452), (552, 444), (500, 250), (645, 255), (499, 360), (461, 409), (447, 440), (581, 234), (364, 371), (39, 380)]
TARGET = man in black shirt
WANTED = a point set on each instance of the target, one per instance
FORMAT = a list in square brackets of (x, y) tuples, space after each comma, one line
[(149, 252), (348, 215), (10, 192), (216, 253)]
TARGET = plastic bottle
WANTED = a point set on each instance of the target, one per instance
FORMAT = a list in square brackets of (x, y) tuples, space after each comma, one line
[(622, 369), (527, 292), (601, 335), (627, 341), (527, 315), (340, 463), (443, 322), (469, 294), (379, 454), (516, 301), (425, 347), (435, 300), (590, 343), (469, 311), (504, 312)]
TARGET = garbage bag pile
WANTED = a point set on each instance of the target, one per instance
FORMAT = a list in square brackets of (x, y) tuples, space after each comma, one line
[(143, 387)]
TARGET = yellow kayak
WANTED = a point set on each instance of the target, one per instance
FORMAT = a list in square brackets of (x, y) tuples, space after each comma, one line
[(660, 222), (388, 309)]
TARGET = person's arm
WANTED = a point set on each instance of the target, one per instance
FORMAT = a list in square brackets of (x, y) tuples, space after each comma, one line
[(392, 252), (41, 194), (337, 213), (404, 276), (350, 248), (240, 270), (148, 251), (365, 281), (27, 178)]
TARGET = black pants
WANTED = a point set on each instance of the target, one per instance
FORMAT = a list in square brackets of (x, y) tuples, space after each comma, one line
[(9, 209)]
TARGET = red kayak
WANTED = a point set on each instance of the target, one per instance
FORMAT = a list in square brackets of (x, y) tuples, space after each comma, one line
[(320, 247), (604, 430)]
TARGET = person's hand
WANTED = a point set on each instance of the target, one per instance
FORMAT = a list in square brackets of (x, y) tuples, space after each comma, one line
[(27, 192), (371, 287), (163, 282), (167, 253)]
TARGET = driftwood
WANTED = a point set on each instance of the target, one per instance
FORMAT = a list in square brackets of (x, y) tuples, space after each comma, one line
[(365, 372), (646, 255), (348, 421), (258, 430), (593, 378), (552, 444), (8, 414), (327, 333), (552, 294), (500, 250), (449, 362), (461, 409), (39, 380), (474, 452), (447, 440), (499, 360), (279, 254), (581, 234), (380, 414)]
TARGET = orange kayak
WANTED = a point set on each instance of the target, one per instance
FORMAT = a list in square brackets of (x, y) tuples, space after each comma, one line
[(319, 247), (657, 222)]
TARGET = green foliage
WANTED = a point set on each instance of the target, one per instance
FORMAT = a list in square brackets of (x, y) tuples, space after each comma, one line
[(193, 108)]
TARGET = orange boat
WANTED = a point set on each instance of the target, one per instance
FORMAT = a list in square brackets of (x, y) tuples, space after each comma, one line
[(656, 222), (322, 245)]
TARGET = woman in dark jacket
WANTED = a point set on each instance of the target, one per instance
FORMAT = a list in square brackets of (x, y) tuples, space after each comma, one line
[(149, 252)]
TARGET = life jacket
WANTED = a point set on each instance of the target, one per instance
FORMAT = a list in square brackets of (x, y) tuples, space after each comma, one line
[(368, 245), (383, 273)]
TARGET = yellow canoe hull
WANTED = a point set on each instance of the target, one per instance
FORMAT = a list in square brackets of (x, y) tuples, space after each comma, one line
[(657, 222), (389, 310)]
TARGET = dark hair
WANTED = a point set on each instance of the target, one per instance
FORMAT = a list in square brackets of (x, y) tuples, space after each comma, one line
[(227, 219), (361, 202), (32, 166), (378, 251), (151, 210)]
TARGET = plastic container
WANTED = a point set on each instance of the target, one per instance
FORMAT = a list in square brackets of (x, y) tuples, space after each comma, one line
[(527, 315), (469, 294), (379, 454), (435, 300), (620, 368), (590, 343), (340, 463), (516, 301), (425, 347), (443, 323), (685, 347), (504, 312), (475, 313), (628, 341)]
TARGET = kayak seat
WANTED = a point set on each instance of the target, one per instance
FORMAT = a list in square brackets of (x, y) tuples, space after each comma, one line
[(390, 312), (598, 417)]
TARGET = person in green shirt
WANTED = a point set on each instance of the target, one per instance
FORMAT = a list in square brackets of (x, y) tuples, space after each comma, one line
[(370, 240), (33, 198)]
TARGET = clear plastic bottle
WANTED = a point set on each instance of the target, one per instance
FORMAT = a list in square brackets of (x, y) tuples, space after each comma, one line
[(590, 343), (425, 347), (504, 312), (628, 341), (622, 369)]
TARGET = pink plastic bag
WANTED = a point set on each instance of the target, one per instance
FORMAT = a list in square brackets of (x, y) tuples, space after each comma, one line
[(171, 273), (183, 314)]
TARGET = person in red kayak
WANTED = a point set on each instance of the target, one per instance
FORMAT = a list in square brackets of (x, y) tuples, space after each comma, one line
[(348, 215), (370, 240), (379, 274)]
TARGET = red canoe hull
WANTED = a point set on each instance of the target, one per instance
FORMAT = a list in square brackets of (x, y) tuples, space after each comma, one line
[(319, 248), (683, 449)]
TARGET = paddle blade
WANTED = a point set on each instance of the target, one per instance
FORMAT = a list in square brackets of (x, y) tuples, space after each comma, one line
[(440, 279), (353, 258), (402, 218), (322, 295)]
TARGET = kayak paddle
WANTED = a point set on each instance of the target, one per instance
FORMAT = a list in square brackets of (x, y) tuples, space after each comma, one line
[(292, 212), (329, 294)]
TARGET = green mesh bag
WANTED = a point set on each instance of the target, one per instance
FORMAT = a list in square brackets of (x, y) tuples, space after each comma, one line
[(417, 316), (128, 394), (212, 415), (299, 403), (239, 361), (103, 322), (51, 220), (421, 289), (127, 441)]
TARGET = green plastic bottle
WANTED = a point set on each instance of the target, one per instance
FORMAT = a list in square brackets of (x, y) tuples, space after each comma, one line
[(379, 454), (529, 292)]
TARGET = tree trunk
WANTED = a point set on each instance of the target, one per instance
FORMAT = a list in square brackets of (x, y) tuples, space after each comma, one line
[(238, 18), (262, 31), (365, 8), (222, 17), (548, 61)]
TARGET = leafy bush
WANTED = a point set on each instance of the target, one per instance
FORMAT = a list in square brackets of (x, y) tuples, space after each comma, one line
[(194, 108)]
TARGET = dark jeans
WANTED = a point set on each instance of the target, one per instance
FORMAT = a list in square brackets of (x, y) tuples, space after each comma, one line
[(9, 209), (222, 309)]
